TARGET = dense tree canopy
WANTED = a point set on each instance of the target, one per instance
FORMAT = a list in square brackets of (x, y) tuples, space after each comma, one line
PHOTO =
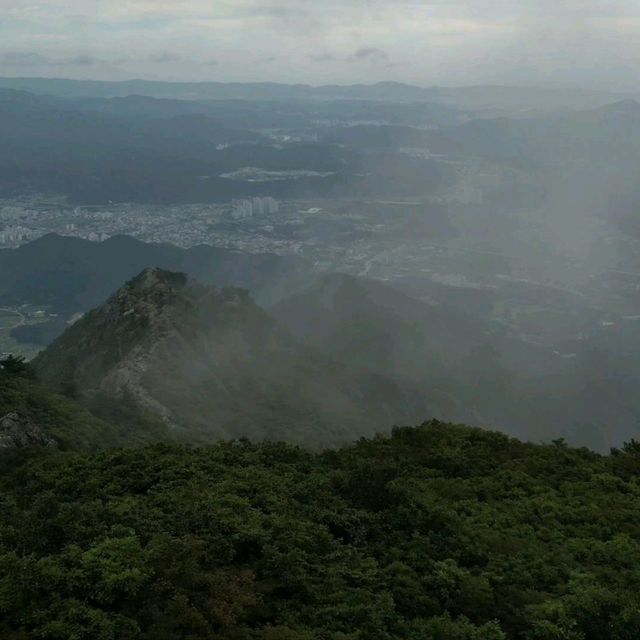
[(438, 532)]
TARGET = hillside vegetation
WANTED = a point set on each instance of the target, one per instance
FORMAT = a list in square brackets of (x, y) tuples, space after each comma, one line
[(438, 532), (72, 425)]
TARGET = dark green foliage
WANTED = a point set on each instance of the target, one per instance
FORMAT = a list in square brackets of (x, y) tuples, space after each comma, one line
[(436, 533), (16, 366), (111, 423)]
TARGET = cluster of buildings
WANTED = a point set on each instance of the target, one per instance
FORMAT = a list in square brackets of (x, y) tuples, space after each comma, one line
[(20, 221), (16, 235), (253, 207)]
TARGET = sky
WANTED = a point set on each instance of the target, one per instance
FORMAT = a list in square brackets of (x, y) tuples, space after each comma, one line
[(572, 43)]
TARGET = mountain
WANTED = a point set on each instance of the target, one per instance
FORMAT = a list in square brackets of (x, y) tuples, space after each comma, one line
[(294, 115), (71, 276), (611, 130), (369, 322), (624, 110), (383, 330), (523, 100), (32, 121), (94, 151), (475, 97), (211, 364), (378, 136), (472, 370), (214, 90), (52, 146)]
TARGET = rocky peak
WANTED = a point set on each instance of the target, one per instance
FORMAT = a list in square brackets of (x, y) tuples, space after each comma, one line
[(146, 296), (19, 432), (158, 310), (156, 292), (154, 277)]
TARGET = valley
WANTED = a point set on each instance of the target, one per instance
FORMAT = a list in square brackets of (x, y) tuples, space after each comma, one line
[(501, 221), (14, 318)]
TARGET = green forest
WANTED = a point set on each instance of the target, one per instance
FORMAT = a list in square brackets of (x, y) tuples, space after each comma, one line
[(438, 532)]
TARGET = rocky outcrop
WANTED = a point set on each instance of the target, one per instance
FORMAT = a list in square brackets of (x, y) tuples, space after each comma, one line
[(19, 432), (211, 364)]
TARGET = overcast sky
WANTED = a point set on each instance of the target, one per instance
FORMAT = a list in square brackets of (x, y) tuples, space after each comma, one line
[(589, 43)]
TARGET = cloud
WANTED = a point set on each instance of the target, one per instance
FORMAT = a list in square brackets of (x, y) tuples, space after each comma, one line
[(368, 53), (322, 57), (19, 59), (361, 54), (27, 59), (84, 60), (593, 42), (163, 57)]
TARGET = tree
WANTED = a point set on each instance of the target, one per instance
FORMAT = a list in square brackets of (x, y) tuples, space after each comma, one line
[(17, 366)]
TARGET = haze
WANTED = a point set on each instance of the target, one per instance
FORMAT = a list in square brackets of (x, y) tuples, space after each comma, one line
[(320, 319), (587, 43)]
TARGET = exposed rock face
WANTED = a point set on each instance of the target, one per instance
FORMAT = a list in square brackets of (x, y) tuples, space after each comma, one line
[(212, 364), (19, 432)]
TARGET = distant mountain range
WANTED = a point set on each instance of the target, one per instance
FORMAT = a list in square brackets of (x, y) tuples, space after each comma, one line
[(151, 149), (171, 151), (141, 148), (478, 97)]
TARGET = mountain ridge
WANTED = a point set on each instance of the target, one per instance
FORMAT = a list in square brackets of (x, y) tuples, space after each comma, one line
[(212, 364), (104, 88)]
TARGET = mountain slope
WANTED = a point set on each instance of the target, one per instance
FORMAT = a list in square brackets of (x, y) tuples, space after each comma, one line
[(70, 425), (474, 371), (383, 330), (367, 320), (212, 364)]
